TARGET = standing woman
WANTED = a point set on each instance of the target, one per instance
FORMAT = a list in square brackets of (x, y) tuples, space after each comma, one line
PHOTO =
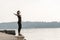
[(19, 21)]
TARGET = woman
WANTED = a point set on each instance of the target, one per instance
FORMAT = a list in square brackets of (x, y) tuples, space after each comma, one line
[(19, 21)]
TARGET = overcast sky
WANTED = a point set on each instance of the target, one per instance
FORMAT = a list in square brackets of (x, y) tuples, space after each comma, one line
[(31, 10)]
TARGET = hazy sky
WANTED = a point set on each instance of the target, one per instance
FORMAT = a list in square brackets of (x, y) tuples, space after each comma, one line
[(31, 10)]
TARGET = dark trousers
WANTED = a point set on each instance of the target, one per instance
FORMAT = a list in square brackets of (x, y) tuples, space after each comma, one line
[(19, 27)]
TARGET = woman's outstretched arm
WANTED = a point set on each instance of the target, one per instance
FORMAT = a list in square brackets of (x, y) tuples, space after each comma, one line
[(16, 14)]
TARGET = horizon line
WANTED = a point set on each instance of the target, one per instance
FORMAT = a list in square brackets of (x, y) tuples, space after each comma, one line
[(33, 21)]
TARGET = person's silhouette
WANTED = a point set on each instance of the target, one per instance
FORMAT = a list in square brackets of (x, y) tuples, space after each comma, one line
[(19, 21)]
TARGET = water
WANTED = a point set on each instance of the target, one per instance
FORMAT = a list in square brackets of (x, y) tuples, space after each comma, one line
[(41, 33)]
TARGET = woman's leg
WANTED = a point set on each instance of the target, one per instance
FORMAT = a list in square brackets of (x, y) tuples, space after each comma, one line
[(19, 28)]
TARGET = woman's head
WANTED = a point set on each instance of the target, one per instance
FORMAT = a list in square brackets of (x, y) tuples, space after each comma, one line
[(18, 12)]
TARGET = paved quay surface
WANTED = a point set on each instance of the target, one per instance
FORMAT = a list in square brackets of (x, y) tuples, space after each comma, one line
[(4, 36)]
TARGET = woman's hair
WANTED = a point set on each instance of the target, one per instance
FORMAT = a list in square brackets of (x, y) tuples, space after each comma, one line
[(18, 12)]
